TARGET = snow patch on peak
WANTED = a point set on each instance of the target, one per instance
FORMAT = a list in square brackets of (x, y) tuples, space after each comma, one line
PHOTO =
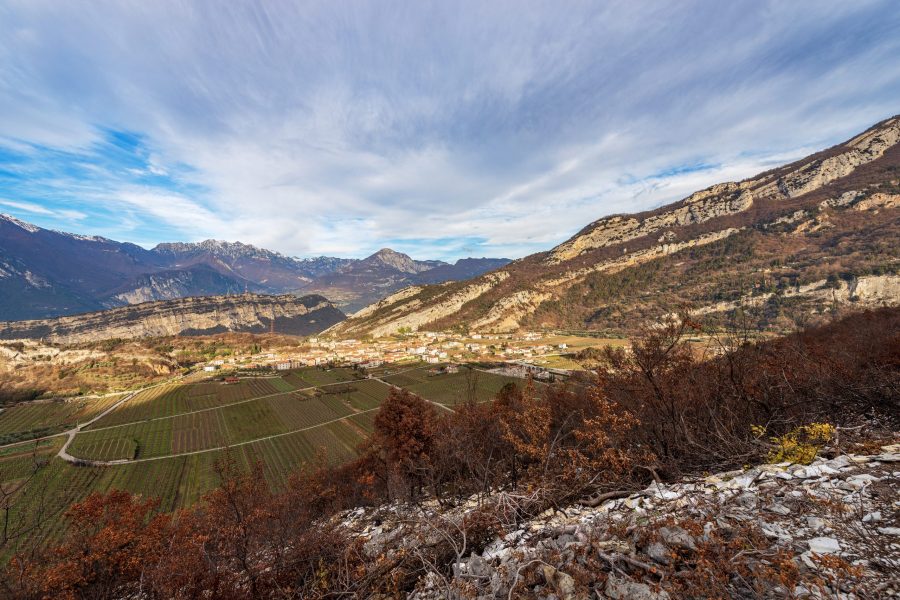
[(84, 238), (21, 224)]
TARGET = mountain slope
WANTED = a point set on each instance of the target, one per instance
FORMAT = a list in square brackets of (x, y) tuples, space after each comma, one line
[(800, 237), (256, 266), (362, 282), (464, 268), (185, 316), (46, 273), (49, 272)]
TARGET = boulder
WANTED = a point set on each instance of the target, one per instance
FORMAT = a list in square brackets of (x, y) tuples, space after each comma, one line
[(620, 588), (676, 537), (824, 545), (562, 583), (658, 552)]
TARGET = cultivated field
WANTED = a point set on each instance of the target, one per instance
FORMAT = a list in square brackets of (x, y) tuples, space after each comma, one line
[(169, 439), (45, 417), (449, 389)]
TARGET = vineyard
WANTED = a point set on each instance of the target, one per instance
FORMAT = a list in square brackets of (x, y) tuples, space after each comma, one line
[(175, 399), (43, 417), (171, 437), (468, 385)]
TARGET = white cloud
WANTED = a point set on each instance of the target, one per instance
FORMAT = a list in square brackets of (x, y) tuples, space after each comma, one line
[(28, 207), (327, 127)]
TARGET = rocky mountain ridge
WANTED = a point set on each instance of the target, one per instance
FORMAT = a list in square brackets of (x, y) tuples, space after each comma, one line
[(831, 215), (251, 313), (47, 273), (361, 283)]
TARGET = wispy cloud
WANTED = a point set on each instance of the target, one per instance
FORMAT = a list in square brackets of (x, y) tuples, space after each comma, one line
[(442, 129)]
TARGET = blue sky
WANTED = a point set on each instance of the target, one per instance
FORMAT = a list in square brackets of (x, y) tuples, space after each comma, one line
[(442, 129)]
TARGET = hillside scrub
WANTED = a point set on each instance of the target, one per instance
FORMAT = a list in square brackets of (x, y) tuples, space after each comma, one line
[(658, 412)]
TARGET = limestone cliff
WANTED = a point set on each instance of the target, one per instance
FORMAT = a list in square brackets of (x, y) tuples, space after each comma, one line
[(185, 316), (834, 215)]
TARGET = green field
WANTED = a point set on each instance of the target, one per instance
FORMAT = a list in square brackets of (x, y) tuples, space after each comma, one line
[(43, 417), (312, 377), (175, 399), (450, 389), (171, 437)]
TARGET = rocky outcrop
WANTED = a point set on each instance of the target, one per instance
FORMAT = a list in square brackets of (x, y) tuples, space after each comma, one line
[(734, 197), (185, 316), (506, 314), (403, 311), (169, 285), (866, 292), (823, 530), (860, 150), (717, 201)]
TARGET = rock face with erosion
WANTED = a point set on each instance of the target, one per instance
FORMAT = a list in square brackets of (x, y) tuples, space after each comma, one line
[(185, 316), (833, 214)]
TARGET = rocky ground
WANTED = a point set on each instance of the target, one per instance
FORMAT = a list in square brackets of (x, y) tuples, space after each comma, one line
[(830, 529)]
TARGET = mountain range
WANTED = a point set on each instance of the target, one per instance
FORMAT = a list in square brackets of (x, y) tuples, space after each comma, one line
[(792, 242), (45, 273)]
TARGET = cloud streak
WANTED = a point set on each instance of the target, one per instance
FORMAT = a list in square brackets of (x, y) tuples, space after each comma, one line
[(442, 129)]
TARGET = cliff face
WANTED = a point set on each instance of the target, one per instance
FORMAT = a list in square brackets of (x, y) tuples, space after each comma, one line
[(185, 316), (834, 215)]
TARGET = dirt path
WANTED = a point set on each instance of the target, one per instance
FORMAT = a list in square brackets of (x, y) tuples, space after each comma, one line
[(63, 452)]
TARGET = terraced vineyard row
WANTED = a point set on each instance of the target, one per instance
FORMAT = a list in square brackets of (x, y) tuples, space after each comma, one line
[(138, 440), (452, 388), (19, 461), (175, 399), (315, 377), (51, 414), (228, 425)]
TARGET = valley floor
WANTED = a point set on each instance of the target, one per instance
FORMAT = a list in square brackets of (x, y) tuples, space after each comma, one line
[(166, 441)]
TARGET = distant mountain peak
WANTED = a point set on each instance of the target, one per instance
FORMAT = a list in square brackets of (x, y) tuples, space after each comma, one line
[(50, 273), (399, 261), (217, 248)]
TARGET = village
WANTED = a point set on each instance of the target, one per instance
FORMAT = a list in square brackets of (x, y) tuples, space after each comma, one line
[(533, 352)]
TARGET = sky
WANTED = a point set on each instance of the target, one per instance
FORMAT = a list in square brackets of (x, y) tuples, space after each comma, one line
[(441, 129)]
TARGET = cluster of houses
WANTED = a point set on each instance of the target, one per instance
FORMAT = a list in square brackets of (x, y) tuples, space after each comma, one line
[(428, 347)]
